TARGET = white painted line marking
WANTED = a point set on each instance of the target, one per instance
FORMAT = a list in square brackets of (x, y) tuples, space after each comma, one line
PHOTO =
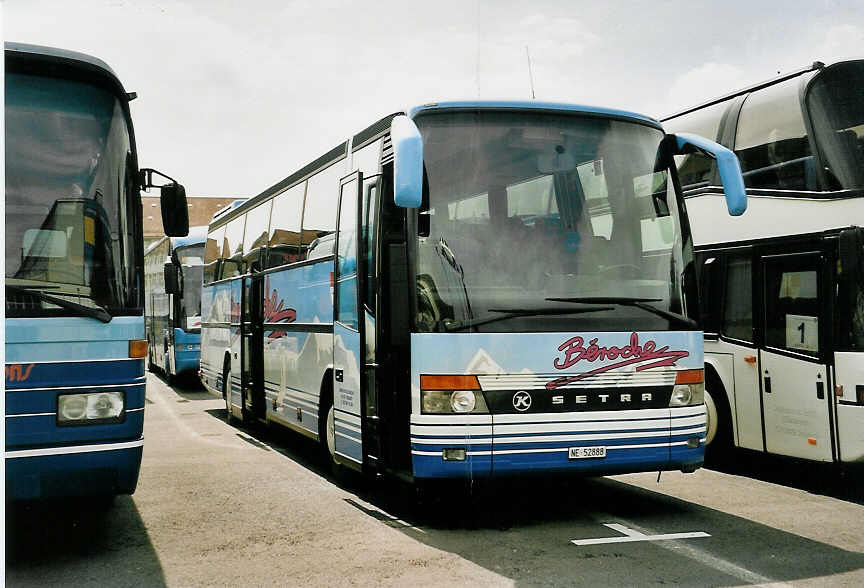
[(631, 535), (718, 563)]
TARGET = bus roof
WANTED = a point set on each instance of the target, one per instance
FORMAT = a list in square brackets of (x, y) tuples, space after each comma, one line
[(55, 54), (532, 105), (815, 66)]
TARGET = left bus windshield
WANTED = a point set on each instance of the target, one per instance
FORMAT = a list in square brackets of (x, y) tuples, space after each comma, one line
[(68, 194), (524, 207)]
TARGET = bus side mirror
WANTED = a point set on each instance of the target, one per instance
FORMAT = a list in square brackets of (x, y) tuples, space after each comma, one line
[(172, 278), (175, 211), (408, 162), (727, 165), (172, 199)]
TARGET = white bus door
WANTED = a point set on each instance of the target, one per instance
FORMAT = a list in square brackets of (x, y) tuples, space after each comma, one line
[(795, 388), (348, 328)]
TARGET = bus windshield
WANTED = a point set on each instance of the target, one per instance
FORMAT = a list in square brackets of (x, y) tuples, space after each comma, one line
[(527, 207), (837, 112), (192, 265), (68, 194)]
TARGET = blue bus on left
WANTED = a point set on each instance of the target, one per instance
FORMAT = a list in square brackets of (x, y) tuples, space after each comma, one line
[(75, 343)]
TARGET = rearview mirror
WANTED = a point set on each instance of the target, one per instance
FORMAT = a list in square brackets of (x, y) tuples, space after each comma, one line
[(172, 278), (727, 165), (175, 211), (172, 199), (408, 162)]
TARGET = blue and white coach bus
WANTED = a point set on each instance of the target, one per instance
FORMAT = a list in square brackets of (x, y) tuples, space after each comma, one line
[(471, 289), (75, 342), (173, 267)]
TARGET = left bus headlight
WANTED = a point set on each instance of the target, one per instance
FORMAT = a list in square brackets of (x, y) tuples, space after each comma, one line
[(689, 388), (90, 409)]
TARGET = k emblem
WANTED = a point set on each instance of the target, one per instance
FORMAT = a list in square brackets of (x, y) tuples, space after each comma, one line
[(521, 401)]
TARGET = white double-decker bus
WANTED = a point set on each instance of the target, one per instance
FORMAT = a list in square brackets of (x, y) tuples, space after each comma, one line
[(467, 290), (783, 286)]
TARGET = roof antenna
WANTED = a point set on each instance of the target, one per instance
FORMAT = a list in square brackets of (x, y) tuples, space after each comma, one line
[(530, 73)]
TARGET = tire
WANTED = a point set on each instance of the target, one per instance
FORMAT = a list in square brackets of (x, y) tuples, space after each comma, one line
[(327, 435), (718, 436), (226, 393)]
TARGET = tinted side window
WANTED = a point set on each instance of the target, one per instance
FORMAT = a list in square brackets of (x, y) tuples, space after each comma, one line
[(319, 214), (738, 298), (232, 248), (771, 141), (212, 251), (695, 170), (285, 227), (255, 236)]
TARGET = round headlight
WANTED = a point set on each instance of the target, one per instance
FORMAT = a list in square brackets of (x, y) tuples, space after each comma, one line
[(462, 401), (73, 408), (681, 395)]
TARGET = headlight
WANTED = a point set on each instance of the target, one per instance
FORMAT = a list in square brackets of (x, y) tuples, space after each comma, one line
[(90, 409), (448, 402), (680, 395), (689, 388), (462, 401)]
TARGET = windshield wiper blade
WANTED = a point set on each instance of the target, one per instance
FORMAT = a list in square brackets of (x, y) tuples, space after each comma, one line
[(674, 317), (97, 313), (515, 313)]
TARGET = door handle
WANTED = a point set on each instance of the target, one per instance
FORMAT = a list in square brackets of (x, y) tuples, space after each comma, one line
[(820, 390), (768, 384), (338, 375)]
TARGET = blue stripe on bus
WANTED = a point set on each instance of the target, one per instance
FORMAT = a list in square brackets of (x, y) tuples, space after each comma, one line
[(69, 338), (23, 376), (78, 474)]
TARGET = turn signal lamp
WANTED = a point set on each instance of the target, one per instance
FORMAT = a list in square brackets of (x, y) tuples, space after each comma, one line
[(138, 348)]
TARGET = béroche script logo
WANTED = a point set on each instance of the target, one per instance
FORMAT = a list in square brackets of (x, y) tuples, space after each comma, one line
[(647, 355)]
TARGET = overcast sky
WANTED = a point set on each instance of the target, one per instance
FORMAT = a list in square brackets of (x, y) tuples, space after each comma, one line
[(235, 95)]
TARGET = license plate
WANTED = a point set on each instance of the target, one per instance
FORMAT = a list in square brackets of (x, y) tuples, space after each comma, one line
[(586, 452)]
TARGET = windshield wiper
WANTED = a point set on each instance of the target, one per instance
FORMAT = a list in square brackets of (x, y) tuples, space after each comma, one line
[(672, 317), (451, 325), (97, 313)]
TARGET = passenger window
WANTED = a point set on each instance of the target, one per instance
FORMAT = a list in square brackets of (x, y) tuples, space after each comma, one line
[(255, 237), (212, 254), (232, 248), (792, 304), (319, 219), (367, 159), (771, 140), (738, 298), (285, 227)]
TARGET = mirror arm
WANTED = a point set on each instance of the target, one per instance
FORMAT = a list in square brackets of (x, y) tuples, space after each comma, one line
[(727, 165)]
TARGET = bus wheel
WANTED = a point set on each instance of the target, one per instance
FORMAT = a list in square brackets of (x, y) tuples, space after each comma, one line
[(327, 434), (718, 436), (711, 418), (226, 393)]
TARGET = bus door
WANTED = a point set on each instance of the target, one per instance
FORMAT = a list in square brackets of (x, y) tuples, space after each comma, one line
[(252, 348), (796, 392), (348, 328)]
